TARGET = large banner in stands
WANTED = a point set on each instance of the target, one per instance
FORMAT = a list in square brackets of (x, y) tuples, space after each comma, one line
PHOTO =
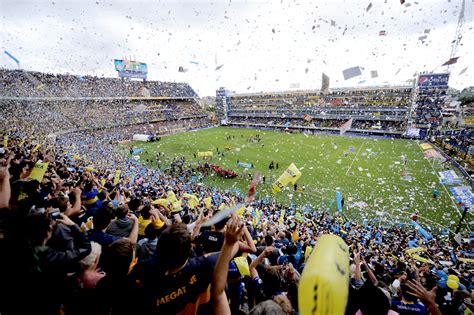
[(433, 80), (469, 120), (449, 177), (413, 132), (463, 194), (426, 146)]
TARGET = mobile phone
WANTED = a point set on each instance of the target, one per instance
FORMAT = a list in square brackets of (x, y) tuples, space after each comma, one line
[(54, 214)]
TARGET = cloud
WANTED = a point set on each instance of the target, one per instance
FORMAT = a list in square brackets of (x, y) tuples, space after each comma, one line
[(84, 37)]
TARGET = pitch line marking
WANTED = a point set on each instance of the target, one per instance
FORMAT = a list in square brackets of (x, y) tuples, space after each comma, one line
[(355, 158)]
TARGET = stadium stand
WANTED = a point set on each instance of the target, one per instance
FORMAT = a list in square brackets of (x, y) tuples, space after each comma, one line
[(19, 83), (82, 238), (47, 103), (105, 222), (374, 110)]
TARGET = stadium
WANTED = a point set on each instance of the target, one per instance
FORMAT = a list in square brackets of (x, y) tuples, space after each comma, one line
[(127, 194)]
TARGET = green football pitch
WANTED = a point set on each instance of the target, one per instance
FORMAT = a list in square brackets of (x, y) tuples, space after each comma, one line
[(367, 171)]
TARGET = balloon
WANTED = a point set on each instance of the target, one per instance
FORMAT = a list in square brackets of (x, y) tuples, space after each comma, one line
[(454, 278), (442, 284), (452, 284), (442, 274)]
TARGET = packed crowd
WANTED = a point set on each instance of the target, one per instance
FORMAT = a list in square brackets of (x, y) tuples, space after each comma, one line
[(326, 111), (429, 105), (47, 117), (320, 123), (19, 83), (354, 98), (86, 239), (383, 109)]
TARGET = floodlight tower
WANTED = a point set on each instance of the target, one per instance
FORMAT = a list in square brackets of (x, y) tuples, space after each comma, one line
[(458, 34)]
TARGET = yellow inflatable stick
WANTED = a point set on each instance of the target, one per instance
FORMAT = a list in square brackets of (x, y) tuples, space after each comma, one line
[(415, 250), (324, 284), (419, 258)]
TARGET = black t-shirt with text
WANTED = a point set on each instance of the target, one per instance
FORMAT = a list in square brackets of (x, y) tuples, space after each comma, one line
[(185, 292)]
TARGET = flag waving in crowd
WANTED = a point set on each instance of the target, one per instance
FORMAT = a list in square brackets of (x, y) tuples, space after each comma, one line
[(346, 126), (289, 176)]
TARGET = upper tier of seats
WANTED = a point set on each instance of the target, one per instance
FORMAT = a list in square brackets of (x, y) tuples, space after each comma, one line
[(18, 83)]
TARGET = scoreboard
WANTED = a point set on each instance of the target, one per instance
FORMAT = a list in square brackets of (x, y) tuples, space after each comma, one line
[(131, 69)]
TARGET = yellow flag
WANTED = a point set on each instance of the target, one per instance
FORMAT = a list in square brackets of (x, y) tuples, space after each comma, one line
[(22, 142), (240, 212), (38, 171), (36, 148), (162, 202), (324, 283), (289, 176), (117, 177), (295, 236), (307, 252), (256, 218), (193, 201), (242, 265), (171, 196), (177, 206), (5, 141), (207, 202), (282, 216)]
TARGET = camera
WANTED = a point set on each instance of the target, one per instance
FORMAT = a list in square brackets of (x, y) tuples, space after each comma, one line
[(54, 214)]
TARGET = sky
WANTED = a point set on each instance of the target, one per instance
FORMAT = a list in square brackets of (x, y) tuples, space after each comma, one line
[(245, 46)]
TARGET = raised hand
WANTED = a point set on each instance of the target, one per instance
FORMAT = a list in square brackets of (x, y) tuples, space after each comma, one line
[(418, 290), (234, 230), (64, 219)]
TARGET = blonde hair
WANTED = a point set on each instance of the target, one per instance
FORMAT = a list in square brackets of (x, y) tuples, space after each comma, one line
[(90, 259), (284, 303)]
